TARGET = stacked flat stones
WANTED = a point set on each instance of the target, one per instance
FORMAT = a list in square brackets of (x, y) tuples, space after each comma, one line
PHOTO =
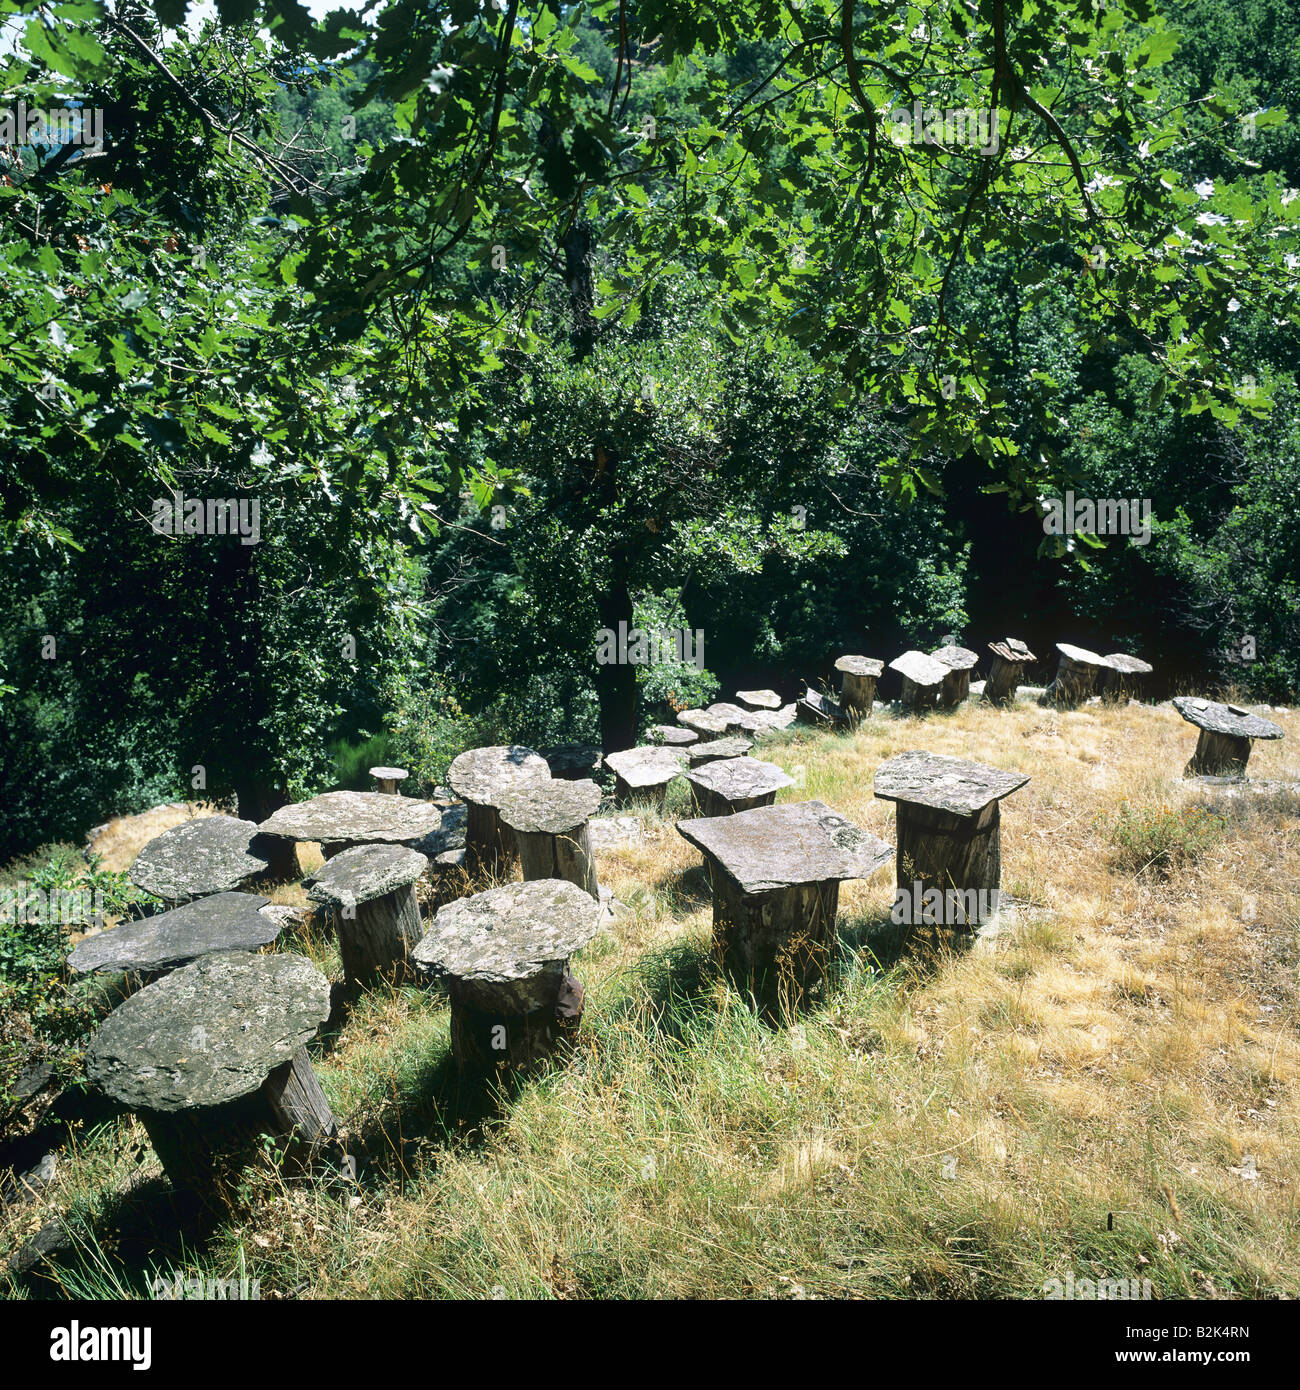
[(1010, 657), (858, 677), (480, 778), (551, 822), (776, 873), (949, 824), (370, 891), (221, 922), (1226, 734), (923, 679), (209, 854), (960, 662), (504, 955), (214, 1055), (728, 785), (700, 753), (644, 773)]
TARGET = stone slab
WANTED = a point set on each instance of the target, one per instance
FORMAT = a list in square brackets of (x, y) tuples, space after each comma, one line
[(364, 873), (550, 808), (860, 666), (919, 669), (648, 766), (759, 699), (954, 785), (218, 922), (956, 658), (482, 774), (737, 778), (702, 753), (1225, 719), (356, 818), (209, 854)]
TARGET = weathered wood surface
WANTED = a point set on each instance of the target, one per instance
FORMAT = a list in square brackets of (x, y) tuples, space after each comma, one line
[(816, 708), (370, 891), (217, 923), (783, 938), (942, 783), (1010, 657), (1123, 677), (759, 699), (960, 662), (550, 821), (700, 753), (937, 850), (1218, 755), (859, 675), (209, 854), (480, 777), (729, 785), (1076, 676)]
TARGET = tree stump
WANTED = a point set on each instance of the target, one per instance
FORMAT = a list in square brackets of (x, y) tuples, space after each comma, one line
[(700, 753), (815, 708), (370, 891), (387, 778), (1123, 678), (1010, 657), (1226, 734), (505, 957), (479, 777), (949, 830), (199, 857), (1076, 676), (923, 679), (219, 923), (776, 872), (213, 1056), (960, 662), (759, 699), (727, 785), (859, 675), (644, 773), (551, 823)]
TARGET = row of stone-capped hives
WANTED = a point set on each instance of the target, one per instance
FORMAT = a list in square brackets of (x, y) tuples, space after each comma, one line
[(210, 1051)]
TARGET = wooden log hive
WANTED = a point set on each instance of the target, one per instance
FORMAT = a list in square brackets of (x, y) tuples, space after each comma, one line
[(221, 922), (949, 826), (859, 675), (643, 774), (480, 777), (1010, 657), (370, 891), (776, 872), (1076, 676), (1226, 734), (960, 662), (551, 821), (387, 778), (504, 955), (727, 785), (815, 708), (1123, 678), (923, 679), (213, 1056)]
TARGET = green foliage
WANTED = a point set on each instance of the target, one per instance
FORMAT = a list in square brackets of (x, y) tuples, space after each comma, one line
[(428, 732), (1163, 838)]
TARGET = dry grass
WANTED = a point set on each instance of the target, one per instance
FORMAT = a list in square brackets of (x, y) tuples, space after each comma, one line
[(1110, 1086)]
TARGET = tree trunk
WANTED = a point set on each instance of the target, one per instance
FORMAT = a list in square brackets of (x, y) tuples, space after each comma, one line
[(616, 682)]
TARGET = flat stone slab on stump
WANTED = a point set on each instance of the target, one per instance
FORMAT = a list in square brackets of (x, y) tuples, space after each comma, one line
[(675, 736), (209, 854), (550, 808), (739, 779), (208, 1033), (705, 724), (759, 699), (1128, 665), (1013, 650), (647, 766), (220, 922), (482, 774), (701, 753), (364, 873), (953, 785), (920, 669), (1225, 719), (356, 818), (773, 847), (956, 658), (861, 666)]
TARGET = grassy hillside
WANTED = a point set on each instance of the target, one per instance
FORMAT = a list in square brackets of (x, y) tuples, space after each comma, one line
[(1107, 1087)]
